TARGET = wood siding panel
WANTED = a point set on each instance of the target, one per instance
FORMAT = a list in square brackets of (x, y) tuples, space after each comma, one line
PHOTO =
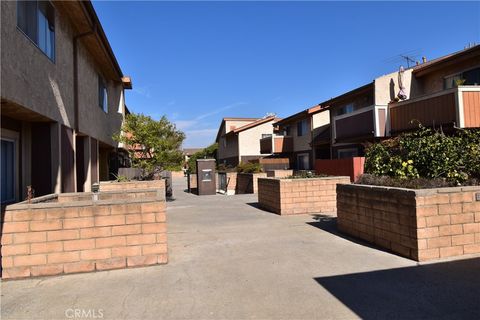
[(357, 125), (434, 111), (471, 108)]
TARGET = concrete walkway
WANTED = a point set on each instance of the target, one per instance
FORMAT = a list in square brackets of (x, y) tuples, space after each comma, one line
[(230, 260)]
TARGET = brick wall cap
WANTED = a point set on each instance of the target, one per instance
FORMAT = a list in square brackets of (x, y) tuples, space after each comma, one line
[(129, 182), (417, 192), (305, 179)]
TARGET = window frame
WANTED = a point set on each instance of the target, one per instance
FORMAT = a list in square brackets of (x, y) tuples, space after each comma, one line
[(347, 150), (36, 42), (301, 131), (457, 74), (102, 84)]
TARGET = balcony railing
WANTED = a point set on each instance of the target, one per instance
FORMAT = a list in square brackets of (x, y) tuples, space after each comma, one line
[(453, 107), (361, 124), (276, 144)]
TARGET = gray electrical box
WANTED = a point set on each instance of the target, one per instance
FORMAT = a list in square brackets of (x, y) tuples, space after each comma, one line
[(206, 184)]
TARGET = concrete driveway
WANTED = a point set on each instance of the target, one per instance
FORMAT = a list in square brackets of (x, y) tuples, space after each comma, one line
[(230, 260)]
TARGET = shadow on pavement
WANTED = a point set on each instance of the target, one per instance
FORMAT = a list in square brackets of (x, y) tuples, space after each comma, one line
[(446, 290)]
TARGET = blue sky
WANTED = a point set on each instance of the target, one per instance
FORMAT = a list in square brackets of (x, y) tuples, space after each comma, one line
[(197, 62)]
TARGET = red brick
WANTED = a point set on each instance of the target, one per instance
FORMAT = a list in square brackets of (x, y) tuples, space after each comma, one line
[(48, 270), (133, 208), (110, 220), (141, 239), (162, 238), (62, 257), (78, 223), (477, 217), (461, 197), (46, 247), (427, 233), (450, 208), (85, 211), (160, 217), (428, 254), (133, 218), (112, 263), (462, 218), (471, 207), (6, 239), (471, 248), (18, 272), (57, 213), (439, 242), (110, 242), (471, 228), (126, 229), (118, 209), (463, 239), (96, 254), (154, 228), (71, 212), (15, 227), (45, 225), (97, 232), (438, 220), (30, 237), (63, 235), (30, 260), (81, 244), (427, 211), (148, 217), (450, 230), (154, 249), (13, 250), (451, 251), (142, 261), (150, 207), (82, 266), (162, 258), (127, 251)]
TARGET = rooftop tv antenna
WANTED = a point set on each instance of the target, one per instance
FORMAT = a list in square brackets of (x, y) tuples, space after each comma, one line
[(408, 59)]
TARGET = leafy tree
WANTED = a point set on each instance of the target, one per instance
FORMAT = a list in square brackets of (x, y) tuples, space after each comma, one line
[(153, 145), (207, 153)]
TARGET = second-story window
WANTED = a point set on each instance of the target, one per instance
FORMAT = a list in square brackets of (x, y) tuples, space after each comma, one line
[(37, 21), (102, 94), (301, 128)]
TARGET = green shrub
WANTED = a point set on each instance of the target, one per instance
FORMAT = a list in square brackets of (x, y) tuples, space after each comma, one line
[(429, 154), (249, 167)]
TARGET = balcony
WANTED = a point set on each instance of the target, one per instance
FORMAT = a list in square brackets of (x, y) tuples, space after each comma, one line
[(365, 123), (276, 144), (457, 106)]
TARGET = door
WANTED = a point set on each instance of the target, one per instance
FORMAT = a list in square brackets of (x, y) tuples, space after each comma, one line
[(8, 169), (303, 161)]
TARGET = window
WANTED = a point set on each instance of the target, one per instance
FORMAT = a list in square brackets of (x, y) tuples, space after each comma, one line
[(301, 128), (468, 78), (37, 21), (102, 94), (347, 153), (8, 171), (303, 161), (287, 131)]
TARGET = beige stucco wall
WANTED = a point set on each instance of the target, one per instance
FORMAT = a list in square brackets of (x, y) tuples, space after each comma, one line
[(249, 140), (231, 148), (321, 118), (29, 77), (386, 87), (301, 143), (93, 121)]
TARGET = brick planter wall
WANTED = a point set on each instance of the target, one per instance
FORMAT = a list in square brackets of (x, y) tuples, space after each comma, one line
[(248, 182), (299, 196), (70, 233), (130, 185), (417, 224), (279, 173)]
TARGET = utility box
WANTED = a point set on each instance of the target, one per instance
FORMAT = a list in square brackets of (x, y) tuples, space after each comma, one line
[(206, 184)]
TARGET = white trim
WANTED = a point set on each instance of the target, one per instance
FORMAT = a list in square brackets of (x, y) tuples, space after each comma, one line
[(459, 108), (376, 119)]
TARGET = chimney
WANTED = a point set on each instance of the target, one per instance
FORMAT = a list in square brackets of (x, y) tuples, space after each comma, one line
[(424, 59)]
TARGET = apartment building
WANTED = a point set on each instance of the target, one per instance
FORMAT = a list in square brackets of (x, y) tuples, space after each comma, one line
[(300, 137), (62, 98), (445, 92), (239, 139)]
